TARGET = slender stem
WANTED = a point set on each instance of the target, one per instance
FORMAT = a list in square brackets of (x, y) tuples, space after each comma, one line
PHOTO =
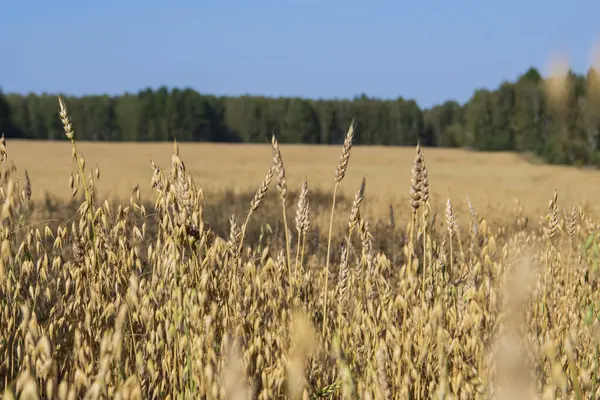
[(327, 261), (450, 271), (393, 246), (568, 280), (410, 243), (244, 232), (302, 252), (546, 278), (424, 268), (462, 254), (287, 241), (331, 225), (297, 252)]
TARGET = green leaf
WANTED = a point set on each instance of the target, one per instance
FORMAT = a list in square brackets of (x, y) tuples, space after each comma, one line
[(588, 242), (595, 249), (589, 315)]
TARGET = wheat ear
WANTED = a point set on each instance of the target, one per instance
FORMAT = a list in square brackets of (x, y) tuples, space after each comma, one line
[(416, 198), (340, 172), (257, 200), (300, 212), (451, 228), (282, 187), (550, 231), (572, 220)]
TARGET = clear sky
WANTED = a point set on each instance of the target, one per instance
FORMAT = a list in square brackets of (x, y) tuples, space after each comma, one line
[(430, 51)]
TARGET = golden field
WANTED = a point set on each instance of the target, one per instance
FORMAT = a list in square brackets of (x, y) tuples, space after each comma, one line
[(140, 299), (491, 180)]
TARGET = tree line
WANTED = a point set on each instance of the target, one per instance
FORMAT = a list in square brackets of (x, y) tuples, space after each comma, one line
[(517, 116)]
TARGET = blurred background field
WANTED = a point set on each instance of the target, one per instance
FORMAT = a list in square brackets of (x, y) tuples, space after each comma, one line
[(492, 181)]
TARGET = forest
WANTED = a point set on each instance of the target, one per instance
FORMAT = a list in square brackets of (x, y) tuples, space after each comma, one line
[(516, 116)]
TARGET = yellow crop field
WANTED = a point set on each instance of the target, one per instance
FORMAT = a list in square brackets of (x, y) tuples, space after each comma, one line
[(492, 181), (179, 289)]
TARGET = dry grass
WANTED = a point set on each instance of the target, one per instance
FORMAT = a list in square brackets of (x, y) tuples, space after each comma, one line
[(126, 302)]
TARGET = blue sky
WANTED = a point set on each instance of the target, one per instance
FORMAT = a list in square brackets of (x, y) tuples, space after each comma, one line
[(430, 51)]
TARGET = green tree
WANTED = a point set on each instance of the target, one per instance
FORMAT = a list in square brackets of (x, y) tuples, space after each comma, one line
[(301, 123)]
